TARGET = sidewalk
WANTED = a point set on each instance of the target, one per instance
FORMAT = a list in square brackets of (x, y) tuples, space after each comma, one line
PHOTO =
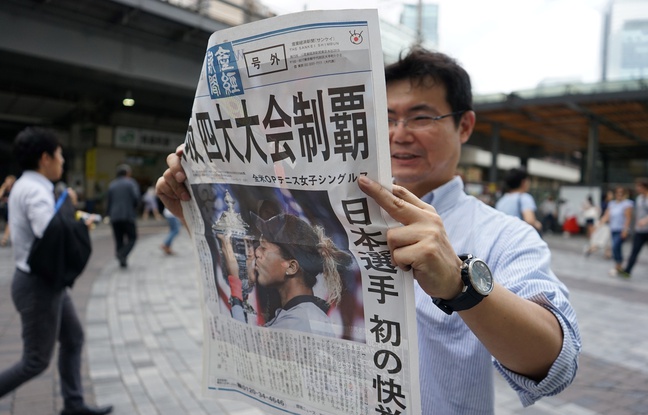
[(613, 319), (144, 335)]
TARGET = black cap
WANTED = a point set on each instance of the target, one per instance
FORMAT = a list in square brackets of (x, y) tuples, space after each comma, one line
[(294, 236)]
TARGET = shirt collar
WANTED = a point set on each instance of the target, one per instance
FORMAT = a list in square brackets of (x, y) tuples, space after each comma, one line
[(36, 176), (295, 301), (445, 196)]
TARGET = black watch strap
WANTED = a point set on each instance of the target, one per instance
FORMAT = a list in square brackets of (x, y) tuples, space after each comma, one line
[(467, 299)]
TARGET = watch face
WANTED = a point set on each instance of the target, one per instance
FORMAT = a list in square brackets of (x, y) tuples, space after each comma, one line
[(481, 277)]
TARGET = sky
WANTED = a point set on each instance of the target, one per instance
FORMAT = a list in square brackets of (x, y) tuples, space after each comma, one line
[(505, 45)]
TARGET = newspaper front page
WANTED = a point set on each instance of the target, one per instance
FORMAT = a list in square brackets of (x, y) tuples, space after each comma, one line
[(303, 311)]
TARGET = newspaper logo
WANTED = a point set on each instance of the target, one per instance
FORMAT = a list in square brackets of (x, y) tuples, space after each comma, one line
[(356, 37), (266, 61), (223, 77)]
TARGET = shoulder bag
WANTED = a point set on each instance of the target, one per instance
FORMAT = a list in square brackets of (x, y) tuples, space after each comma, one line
[(63, 251)]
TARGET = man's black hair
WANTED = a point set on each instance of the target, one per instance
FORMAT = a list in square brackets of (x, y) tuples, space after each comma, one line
[(424, 68), (514, 178), (31, 143)]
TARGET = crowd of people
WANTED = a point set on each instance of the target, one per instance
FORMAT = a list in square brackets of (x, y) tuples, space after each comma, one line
[(626, 218), (606, 225)]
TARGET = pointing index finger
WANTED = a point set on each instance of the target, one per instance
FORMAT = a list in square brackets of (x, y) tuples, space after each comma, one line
[(396, 207)]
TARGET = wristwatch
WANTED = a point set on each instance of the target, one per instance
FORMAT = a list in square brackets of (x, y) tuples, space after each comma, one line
[(478, 283)]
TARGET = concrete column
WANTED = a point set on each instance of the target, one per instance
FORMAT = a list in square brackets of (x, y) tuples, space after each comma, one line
[(495, 144), (592, 151)]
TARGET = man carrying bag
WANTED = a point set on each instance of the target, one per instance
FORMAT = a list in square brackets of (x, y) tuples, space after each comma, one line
[(46, 310)]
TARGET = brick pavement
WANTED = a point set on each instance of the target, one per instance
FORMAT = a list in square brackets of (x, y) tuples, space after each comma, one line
[(144, 333), (613, 319)]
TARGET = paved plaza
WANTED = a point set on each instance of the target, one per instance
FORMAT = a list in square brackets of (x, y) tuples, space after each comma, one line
[(144, 334)]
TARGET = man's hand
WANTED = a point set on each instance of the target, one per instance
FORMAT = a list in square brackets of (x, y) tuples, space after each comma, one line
[(72, 194), (421, 243), (171, 188), (522, 335)]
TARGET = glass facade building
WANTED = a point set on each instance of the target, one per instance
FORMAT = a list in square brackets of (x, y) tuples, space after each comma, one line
[(626, 40)]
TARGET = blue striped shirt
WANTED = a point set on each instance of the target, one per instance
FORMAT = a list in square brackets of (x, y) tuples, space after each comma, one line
[(456, 375)]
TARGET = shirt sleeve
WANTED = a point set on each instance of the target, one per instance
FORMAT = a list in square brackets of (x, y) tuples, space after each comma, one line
[(527, 202), (525, 267), (40, 209), (561, 373)]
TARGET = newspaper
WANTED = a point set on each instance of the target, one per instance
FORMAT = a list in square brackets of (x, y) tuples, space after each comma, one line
[(289, 112)]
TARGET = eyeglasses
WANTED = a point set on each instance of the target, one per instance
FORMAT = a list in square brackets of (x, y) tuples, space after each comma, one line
[(419, 122)]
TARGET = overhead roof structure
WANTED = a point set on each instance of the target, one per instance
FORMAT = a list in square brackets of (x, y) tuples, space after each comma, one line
[(67, 58), (561, 120)]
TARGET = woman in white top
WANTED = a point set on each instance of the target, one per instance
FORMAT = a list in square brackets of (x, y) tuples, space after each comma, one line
[(591, 214)]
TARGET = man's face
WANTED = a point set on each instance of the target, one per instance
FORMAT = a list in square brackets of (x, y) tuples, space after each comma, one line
[(423, 160), (52, 166), (271, 267)]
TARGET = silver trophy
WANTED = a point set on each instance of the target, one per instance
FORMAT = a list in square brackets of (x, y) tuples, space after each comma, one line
[(231, 224)]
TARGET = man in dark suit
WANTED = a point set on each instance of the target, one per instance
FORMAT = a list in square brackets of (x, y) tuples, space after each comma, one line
[(123, 199)]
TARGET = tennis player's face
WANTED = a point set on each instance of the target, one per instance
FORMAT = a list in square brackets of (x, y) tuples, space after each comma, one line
[(270, 266)]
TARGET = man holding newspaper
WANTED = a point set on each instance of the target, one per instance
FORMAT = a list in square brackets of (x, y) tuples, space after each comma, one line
[(507, 307)]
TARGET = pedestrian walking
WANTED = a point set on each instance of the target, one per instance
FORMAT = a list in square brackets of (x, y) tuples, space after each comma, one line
[(123, 200), (174, 229), (5, 189), (47, 313), (591, 214), (517, 201), (618, 215), (150, 201), (549, 214), (641, 225)]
